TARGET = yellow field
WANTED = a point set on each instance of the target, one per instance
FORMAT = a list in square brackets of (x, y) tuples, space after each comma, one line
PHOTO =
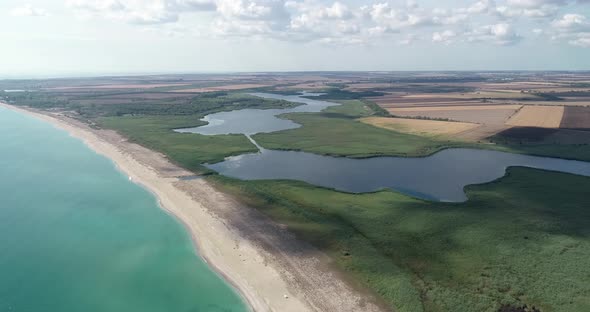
[(453, 108), (420, 126), (537, 116)]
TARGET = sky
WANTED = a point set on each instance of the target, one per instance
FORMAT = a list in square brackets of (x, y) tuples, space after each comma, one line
[(86, 37)]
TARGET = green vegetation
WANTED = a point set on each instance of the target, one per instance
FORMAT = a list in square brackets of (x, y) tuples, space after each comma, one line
[(35, 99), (566, 151), (543, 142), (205, 103), (355, 109), (522, 240), (186, 149), (339, 94), (547, 97), (427, 88), (335, 131)]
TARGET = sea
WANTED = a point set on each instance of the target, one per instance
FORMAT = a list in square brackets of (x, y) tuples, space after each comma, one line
[(77, 235)]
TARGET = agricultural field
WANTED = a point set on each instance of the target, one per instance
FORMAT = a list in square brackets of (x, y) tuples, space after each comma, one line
[(494, 114), (536, 100), (420, 127), (490, 119), (537, 116), (576, 118)]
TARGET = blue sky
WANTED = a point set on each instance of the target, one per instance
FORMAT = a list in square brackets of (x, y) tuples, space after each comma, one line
[(61, 37)]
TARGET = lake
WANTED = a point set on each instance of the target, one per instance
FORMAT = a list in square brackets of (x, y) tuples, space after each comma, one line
[(439, 177), (252, 121)]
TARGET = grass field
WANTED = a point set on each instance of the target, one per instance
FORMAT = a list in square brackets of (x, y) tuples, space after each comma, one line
[(335, 131), (522, 240), (186, 149)]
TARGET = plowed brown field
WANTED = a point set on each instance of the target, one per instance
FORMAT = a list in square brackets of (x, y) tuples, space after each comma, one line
[(575, 117)]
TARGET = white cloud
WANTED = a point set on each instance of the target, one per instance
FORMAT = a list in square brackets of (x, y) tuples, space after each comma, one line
[(240, 9), (503, 34), (408, 39), (336, 11), (196, 5), (445, 37), (385, 15), (139, 11), (336, 21), (541, 11), (499, 34), (482, 6), (571, 22), (534, 4), (573, 28), (311, 16), (28, 10), (538, 9), (581, 41)]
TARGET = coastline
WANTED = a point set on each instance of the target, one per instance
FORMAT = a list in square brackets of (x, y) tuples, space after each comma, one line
[(266, 265)]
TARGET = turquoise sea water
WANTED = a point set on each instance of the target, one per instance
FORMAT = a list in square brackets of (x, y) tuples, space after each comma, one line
[(77, 235)]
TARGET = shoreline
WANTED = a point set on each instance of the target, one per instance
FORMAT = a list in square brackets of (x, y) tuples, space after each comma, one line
[(267, 266), (77, 134)]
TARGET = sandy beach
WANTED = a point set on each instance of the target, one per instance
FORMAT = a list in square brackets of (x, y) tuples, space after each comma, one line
[(268, 266)]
